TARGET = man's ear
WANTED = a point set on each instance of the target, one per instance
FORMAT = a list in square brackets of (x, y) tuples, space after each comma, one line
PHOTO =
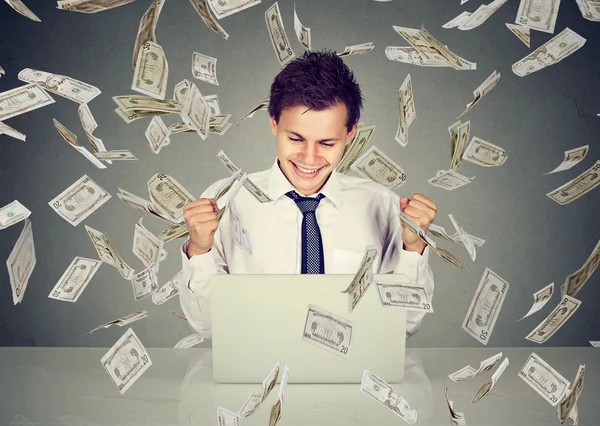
[(352, 133), (273, 125)]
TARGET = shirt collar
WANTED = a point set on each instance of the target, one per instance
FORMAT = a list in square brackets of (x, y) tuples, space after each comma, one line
[(278, 185)]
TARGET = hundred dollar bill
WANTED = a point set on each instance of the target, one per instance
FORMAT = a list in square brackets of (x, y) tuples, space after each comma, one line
[(145, 282), (458, 20), (20, 7), (151, 71), (572, 157), (386, 395), (355, 148), (146, 246), (5, 129), (12, 213), (577, 279), (375, 165), (450, 180), (357, 49), (115, 154), (71, 139), (544, 379), (258, 193), (482, 90), (262, 105), (481, 15), (469, 372), (75, 279), (540, 298), (168, 290), (88, 122), (406, 111), (126, 361), (456, 418), (553, 322), (522, 33), (568, 404), (21, 261), (173, 232), (488, 385), (328, 331), (577, 187), (484, 153), (23, 99), (168, 196), (410, 55), (550, 53), (410, 297), (107, 252), (363, 278), (189, 341), (227, 418), (90, 6), (195, 112), (204, 68), (223, 8), (61, 85), (79, 200), (538, 14), (157, 134), (201, 7), (464, 237), (301, 31), (147, 29), (234, 191), (462, 139), (127, 319), (485, 306), (589, 9), (279, 38), (276, 408)]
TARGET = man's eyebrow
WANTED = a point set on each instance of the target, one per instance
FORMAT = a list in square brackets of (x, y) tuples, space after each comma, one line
[(321, 140)]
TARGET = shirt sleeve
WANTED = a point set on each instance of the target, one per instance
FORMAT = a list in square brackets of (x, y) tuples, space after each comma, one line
[(396, 260), (194, 285)]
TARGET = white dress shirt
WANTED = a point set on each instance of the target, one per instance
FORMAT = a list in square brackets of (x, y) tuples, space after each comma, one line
[(355, 212)]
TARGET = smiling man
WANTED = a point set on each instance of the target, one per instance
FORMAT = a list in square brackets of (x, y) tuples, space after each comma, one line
[(319, 221)]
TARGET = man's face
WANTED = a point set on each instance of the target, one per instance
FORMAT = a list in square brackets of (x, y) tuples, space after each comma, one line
[(311, 140)]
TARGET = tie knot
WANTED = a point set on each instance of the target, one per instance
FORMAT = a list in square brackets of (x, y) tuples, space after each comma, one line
[(305, 204)]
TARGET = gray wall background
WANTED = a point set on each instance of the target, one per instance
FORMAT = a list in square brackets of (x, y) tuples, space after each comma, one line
[(530, 240)]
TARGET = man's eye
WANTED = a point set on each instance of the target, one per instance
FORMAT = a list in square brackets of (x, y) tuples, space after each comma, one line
[(295, 140), (328, 144)]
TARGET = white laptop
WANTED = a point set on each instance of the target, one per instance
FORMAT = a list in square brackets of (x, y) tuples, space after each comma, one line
[(258, 320)]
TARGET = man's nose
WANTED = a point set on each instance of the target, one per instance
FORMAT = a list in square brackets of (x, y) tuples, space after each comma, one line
[(310, 153)]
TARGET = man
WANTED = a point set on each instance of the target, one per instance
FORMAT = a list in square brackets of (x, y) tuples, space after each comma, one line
[(314, 109)]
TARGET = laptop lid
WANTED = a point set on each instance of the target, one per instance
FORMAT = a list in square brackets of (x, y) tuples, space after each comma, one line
[(258, 320)]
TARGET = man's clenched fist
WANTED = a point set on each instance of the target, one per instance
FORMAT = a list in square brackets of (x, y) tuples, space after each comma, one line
[(201, 220)]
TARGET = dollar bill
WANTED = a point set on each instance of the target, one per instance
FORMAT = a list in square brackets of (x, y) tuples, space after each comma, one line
[(458, 20), (450, 180), (375, 165), (550, 53), (485, 306), (90, 6), (448, 257), (88, 122), (410, 55), (123, 321), (157, 134), (204, 68), (5, 129), (555, 320), (71, 139), (227, 184), (107, 252), (577, 187), (126, 361), (276, 408), (522, 33), (13, 212), (464, 237), (213, 104), (595, 344), (146, 104), (145, 282), (484, 153), (577, 279), (488, 385), (168, 290), (146, 246), (20, 7), (357, 49), (115, 154), (132, 115), (173, 232), (279, 39), (540, 298), (439, 232), (482, 90), (301, 31), (79, 200), (544, 379), (21, 262), (264, 105), (201, 7), (147, 29), (219, 130), (462, 139), (410, 297), (355, 148), (168, 196), (269, 383), (23, 99), (406, 111), (362, 280), (231, 195), (151, 71), (250, 405), (481, 15), (386, 395), (143, 205), (219, 120), (227, 418), (195, 112), (456, 418), (223, 8), (416, 229), (235, 222), (569, 402), (589, 9), (572, 157), (61, 85), (538, 15), (469, 372), (75, 279), (190, 341), (328, 331), (258, 193)]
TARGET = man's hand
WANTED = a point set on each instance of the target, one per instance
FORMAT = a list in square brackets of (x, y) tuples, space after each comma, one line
[(201, 220), (422, 211)]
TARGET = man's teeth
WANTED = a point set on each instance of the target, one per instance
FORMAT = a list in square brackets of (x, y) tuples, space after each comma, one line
[(306, 170)]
